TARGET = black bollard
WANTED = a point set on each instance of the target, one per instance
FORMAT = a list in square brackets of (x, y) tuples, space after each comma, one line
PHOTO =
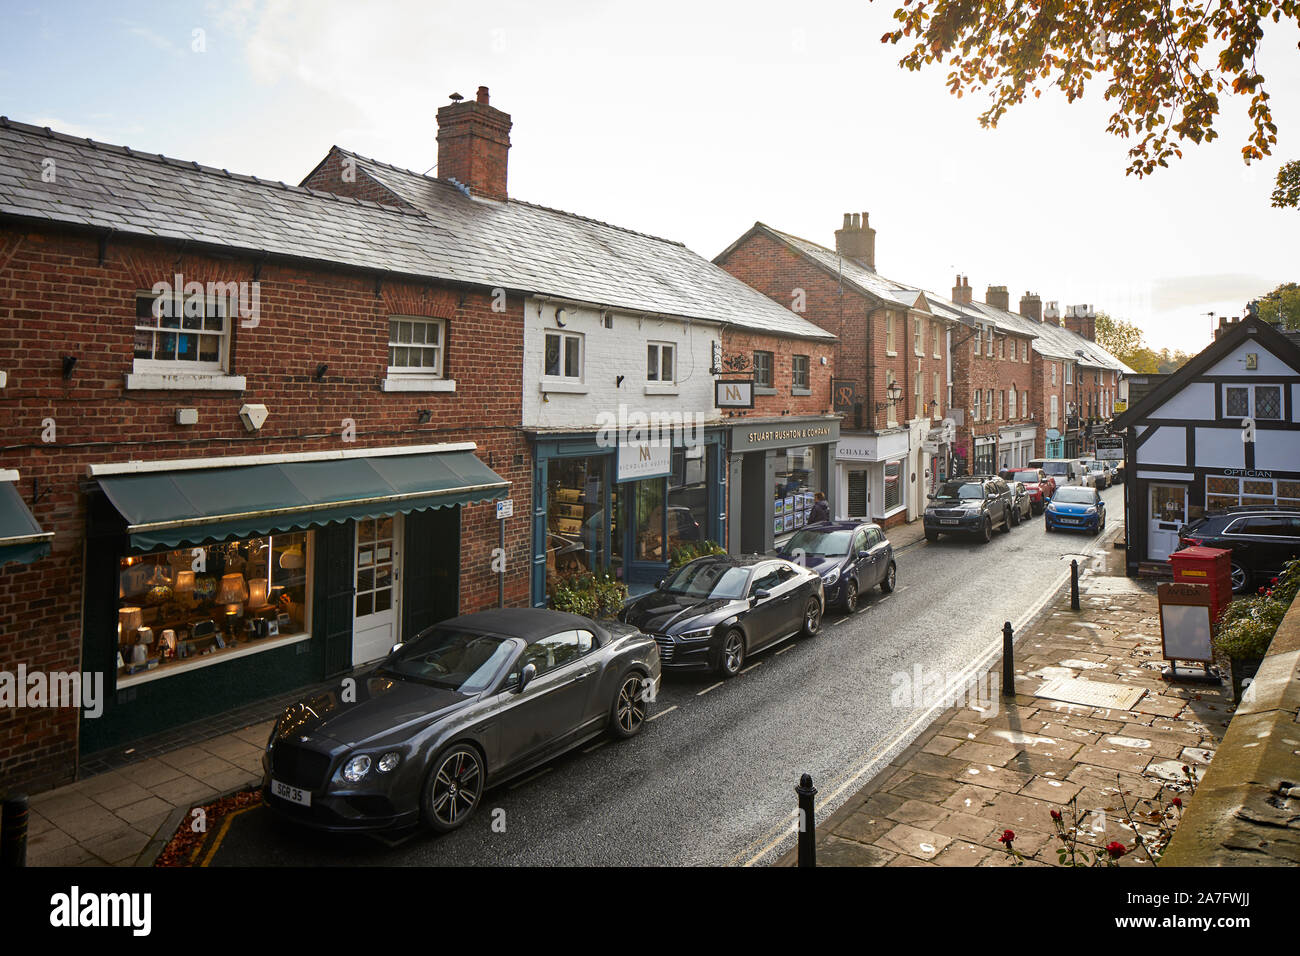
[(13, 832), (1008, 663), (807, 821), (1074, 585)]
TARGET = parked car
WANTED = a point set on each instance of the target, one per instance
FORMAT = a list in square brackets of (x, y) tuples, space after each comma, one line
[(973, 505), (1065, 471), (1075, 508), (1262, 538), (1040, 485), (715, 611), (1022, 504), (464, 705), (850, 556), (1098, 472)]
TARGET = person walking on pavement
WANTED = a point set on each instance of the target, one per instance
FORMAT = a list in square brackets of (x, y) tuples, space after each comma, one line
[(820, 510)]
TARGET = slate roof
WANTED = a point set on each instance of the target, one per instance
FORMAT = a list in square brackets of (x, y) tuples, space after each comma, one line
[(447, 236), (1050, 340)]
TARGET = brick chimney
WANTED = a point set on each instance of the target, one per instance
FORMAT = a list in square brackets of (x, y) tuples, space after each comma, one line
[(1031, 306), (857, 240), (1052, 313), (473, 140), (1082, 320), (998, 297), (961, 292)]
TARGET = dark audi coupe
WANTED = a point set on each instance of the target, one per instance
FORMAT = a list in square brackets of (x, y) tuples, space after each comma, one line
[(712, 613), (467, 704)]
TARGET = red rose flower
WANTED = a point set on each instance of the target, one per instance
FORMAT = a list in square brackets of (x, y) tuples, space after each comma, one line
[(1056, 814), (1177, 801), (1115, 849), (1007, 837)]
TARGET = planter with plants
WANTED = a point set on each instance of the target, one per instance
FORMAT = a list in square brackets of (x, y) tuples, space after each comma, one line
[(595, 596), (1248, 625), (689, 552)]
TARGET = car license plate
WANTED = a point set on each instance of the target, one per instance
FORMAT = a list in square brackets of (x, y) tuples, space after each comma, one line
[(947, 521), (1069, 521), (292, 794)]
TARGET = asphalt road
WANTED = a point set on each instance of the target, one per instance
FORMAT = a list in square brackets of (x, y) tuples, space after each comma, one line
[(710, 780)]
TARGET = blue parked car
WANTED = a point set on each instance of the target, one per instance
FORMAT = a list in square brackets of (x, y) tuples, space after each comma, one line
[(1075, 508), (850, 557)]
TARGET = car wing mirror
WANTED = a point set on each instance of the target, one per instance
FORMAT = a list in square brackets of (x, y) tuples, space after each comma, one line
[(864, 554), (662, 582), (930, 497), (396, 647), (762, 594), (526, 677)]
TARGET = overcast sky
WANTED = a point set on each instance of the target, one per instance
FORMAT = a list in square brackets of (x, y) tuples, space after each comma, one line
[(691, 120)]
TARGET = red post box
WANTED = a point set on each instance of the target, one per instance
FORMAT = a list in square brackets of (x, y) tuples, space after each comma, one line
[(1210, 566)]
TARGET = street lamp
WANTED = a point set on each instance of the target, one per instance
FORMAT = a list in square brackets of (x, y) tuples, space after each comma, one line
[(895, 394)]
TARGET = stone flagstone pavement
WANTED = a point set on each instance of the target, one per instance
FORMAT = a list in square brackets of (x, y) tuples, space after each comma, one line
[(947, 798)]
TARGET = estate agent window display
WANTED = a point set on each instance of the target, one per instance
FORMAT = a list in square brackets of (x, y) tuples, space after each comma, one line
[(179, 608)]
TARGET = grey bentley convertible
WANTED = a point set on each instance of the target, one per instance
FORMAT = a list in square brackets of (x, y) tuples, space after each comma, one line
[(467, 704)]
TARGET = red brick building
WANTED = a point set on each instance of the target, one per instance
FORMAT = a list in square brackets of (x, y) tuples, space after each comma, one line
[(892, 363)]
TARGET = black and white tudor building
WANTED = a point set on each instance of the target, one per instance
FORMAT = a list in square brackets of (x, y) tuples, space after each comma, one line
[(1223, 430)]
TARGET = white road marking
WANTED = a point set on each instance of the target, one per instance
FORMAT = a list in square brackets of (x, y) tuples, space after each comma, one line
[(662, 713), (746, 670), (788, 647), (707, 689)]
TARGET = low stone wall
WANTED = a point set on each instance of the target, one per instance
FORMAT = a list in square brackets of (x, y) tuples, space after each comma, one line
[(1246, 810)]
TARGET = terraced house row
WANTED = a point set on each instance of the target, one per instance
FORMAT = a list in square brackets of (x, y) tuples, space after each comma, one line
[(255, 433)]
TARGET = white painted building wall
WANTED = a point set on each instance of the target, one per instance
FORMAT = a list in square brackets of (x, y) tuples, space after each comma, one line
[(607, 354)]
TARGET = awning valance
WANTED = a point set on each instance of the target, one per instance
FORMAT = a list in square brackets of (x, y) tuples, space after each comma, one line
[(21, 538), (176, 508)]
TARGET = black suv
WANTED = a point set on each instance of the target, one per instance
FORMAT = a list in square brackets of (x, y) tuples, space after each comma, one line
[(1262, 538), (973, 505)]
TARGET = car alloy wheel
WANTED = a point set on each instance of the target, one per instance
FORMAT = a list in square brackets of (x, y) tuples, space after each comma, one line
[(452, 793), (891, 576), (812, 617), (1015, 515), (630, 706), (986, 530), (1006, 520), (850, 596), (733, 654), (1238, 579), (932, 536)]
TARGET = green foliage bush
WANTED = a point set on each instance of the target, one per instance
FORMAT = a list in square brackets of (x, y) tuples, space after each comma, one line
[(591, 595), (689, 552), (1248, 625)]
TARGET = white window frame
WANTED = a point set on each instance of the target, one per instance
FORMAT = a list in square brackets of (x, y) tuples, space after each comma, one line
[(177, 373), (1011, 402), (1250, 399), (938, 407), (1055, 413), (979, 339), (565, 336), (990, 349), (1053, 375), (938, 348), (421, 378), (889, 334), (918, 337), (660, 348), (977, 406)]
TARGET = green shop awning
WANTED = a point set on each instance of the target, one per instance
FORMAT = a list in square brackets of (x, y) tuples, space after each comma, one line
[(177, 508), (21, 538)]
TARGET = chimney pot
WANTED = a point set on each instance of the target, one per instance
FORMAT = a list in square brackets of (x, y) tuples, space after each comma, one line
[(848, 220), (857, 240), (483, 95)]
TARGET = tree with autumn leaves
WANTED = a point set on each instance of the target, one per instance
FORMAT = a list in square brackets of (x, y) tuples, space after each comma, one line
[(1165, 63), (1124, 341)]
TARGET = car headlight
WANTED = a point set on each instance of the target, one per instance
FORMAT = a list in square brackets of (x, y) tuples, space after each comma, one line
[(1090, 511), (356, 768), (698, 634), (388, 761), (831, 577)]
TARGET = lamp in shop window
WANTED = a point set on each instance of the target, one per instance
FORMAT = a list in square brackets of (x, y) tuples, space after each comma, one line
[(184, 582), (257, 592), (233, 590), (160, 586), (130, 619), (292, 558)]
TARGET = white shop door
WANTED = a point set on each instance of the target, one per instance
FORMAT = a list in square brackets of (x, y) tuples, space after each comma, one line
[(375, 629), (1168, 513)]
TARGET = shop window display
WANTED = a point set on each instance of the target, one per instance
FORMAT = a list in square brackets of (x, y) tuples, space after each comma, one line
[(181, 606), (797, 480), (575, 517)]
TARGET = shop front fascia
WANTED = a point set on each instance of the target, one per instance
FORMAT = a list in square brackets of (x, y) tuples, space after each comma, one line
[(871, 475), (776, 466), (215, 583), (1016, 445), (622, 507)]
